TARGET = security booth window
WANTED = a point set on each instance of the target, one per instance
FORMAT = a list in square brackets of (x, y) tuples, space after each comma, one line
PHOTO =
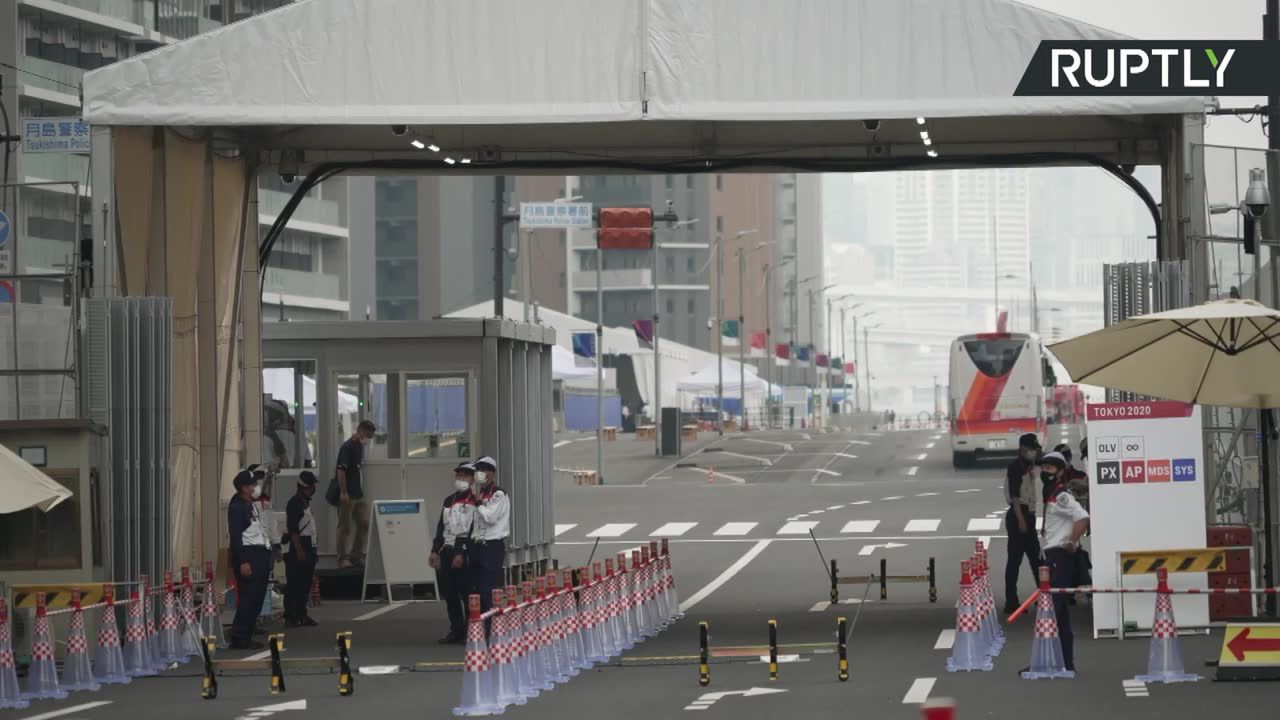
[(374, 397), (36, 540), (289, 420), (436, 416)]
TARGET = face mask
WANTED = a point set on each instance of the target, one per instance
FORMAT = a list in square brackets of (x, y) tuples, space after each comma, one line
[(482, 477), (1048, 478), (257, 491), (461, 485)]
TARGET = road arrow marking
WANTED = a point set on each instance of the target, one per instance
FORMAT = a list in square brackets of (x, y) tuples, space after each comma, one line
[(913, 470), (709, 699), (279, 707), (868, 549)]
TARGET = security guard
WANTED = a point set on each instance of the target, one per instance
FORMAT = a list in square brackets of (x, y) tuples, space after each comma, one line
[(1077, 480), (250, 557), (1065, 523), (300, 558), (1020, 520), (449, 551), (489, 532)]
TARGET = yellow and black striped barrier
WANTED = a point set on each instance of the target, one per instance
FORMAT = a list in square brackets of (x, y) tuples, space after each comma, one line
[(930, 576), (56, 597), (842, 634), (276, 644), (1147, 562), (346, 681), (704, 655), (210, 689), (773, 650)]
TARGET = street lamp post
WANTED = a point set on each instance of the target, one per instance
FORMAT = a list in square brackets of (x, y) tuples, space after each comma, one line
[(655, 404), (742, 318), (866, 358)]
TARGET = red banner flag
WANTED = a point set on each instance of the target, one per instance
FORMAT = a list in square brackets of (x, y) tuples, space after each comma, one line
[(759, 347)]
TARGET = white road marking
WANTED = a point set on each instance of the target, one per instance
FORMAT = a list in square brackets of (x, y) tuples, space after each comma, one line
[(267, 653), (925, 494), (735, 528), (869, 549), (891, 497), (366, 616), (981, 524), (860, 502), (946, 639), (922, 526), (68, 711), (718, 475), (673, 529), (785, 446), (985, 540), (272, 709), (929, 446), (935, 437), (835, 507), (1135, 688), (757, 458), (820, 606), (816, 512), (860, 526), (798, 528), (919, 691), (824, 471), (913, 470), (806, 436), (922, 456), (725, 576), (970, 490), (564, 528), (611, 530), (379, 669)]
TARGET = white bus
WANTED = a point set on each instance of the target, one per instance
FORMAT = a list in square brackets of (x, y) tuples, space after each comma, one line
[(996, 394)]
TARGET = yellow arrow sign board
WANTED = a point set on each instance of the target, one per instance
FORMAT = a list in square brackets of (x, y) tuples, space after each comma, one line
[(1250, 651)]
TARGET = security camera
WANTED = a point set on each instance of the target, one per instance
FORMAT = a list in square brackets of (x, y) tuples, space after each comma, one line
[(1257, 198), (871, 125), (289, 160), (399, 130), (288, 178)]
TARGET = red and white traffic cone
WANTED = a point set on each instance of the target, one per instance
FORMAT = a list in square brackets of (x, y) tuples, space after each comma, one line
[(1164, 657), (77, 671), (988, 598), (938, 709), (970, 649), (42, 676), (1046, 648), (673, 597), (10, 694), (553, 625), (660, 596), (502, 655), (573, 616), (137, 651), (604, 613), (172, 649), (187, 613), (588, 609), (109, 660), (478, 691), (626, 605), (535, 640), (210, 611), (149, 620), (519, 644), (646, 612)]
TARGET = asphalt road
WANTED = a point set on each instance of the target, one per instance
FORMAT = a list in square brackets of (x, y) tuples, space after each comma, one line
[(738, 512)]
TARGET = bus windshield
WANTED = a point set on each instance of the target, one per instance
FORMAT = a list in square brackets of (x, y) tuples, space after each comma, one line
[(994, 358)]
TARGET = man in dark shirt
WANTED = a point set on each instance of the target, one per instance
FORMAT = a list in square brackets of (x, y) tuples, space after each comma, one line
[(250, 557), (1020, 520), (347, 494), (300, 560)]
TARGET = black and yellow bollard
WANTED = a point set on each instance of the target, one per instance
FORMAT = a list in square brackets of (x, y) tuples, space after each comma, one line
[(210, 689), (835, 591), (346, 681), (933, 582), (704, 655), (276, 644), (842, 635), (773, 650), (884, 579)]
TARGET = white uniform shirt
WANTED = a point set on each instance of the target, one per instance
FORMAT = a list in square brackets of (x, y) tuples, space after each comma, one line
[(458, 519), (256, 534), (1060, 515), (493, 518), (307, 526)]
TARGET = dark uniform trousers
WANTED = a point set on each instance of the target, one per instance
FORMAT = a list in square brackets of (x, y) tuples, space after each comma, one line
[(298, 575), (1062, 574), (1020, 544), (454, 588), (485, 569), (251, 591)]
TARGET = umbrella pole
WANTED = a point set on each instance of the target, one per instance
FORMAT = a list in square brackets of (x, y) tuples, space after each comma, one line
[(1268, 566)]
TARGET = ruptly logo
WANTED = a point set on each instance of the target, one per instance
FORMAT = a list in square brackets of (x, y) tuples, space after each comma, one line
[(1131, 67)]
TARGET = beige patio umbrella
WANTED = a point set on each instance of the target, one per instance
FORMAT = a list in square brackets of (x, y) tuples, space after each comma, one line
[(1225, 352), (23, 486)]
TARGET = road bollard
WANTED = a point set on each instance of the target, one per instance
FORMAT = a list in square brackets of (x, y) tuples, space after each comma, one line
[(835, 590), (933, 582), (842, 634), (704, 655), (346, 681), (884, 578), (208, 645), (276, 643), (773, 650)]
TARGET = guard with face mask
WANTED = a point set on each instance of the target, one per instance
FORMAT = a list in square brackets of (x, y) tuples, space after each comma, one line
[(1020, 520), (250, 556), (449, 552), (489, 531), (1065, 524)]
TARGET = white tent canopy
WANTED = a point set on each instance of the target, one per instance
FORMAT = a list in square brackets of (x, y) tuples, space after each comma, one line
[(475, 75), (564, 365), (23, 486), (705, 381), (278, 383)]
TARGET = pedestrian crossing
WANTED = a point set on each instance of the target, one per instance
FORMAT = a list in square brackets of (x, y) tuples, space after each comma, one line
[(797, 527)]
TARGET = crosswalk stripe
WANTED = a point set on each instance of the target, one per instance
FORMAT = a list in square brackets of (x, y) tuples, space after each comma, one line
[(981, 524), (736, 528), (801, 527), (611, 530), (922, 526), (564, 528), (860, 502), (860, 526), (673, 529), (946, 640)]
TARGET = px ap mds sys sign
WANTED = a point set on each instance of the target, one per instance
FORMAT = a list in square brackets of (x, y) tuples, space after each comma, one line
[(1146, 492)]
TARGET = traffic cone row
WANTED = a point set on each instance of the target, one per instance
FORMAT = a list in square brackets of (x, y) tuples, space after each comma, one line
[(109, 660), (153, 635), (971, 650), (10, 695), (985, 602), (1164, 658), (210, 611), (172, 648), (138, 661), (1046, 647), (77, 671), (554, 630), (190, 622), (42, 676)]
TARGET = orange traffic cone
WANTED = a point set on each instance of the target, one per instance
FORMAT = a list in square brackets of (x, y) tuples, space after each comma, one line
[(1164, 658), (77, 671), (109, 660), (970, 649), (42, 676), (1046, 648), (478, 696), (10, 695), (535, 640)]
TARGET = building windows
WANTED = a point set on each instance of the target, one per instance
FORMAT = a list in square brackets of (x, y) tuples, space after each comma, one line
[(719, 183), (671, 306), (294, 251), (690, 306), (671, 265), (689, 266), (719, 223)]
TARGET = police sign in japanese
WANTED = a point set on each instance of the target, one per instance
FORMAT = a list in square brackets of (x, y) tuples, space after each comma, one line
[(55, 135)]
